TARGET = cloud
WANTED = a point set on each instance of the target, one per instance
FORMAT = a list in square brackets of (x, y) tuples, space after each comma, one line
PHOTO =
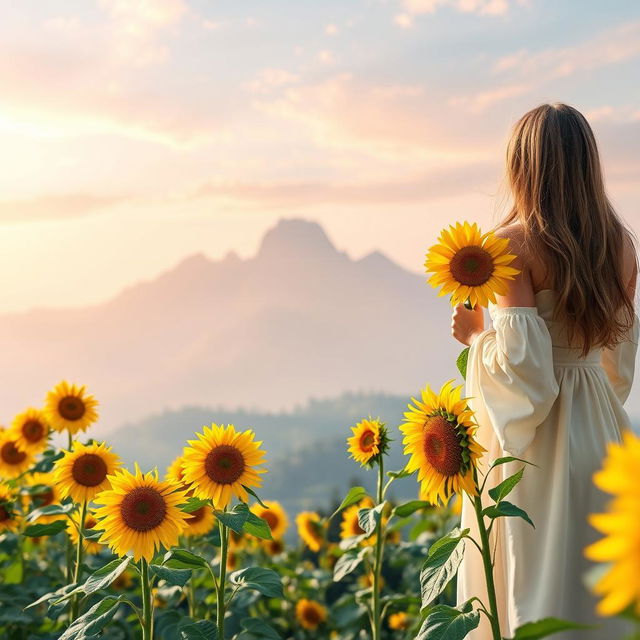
[(526, 72), (52, 207), (269, 79), (392, 122), (430, 186), (609, 47), (483, 7)]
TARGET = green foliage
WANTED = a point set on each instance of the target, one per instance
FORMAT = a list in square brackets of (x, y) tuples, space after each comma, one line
[(354, 495), (265, 581), (506, 509), (449, 623), (50, 529), (441, 565), (349, 562), (369, 518), (544, 628), (462, 361), (502, 490), (202, 630)]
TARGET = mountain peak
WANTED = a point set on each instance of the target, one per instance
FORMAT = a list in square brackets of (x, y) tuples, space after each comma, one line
[(295, 238)]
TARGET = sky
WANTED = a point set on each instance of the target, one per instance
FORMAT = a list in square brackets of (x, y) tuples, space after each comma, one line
[(134, 133)]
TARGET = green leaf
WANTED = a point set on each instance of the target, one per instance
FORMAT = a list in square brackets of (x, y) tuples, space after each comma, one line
[(354, 495), (403, 473), (498, 461), (183, 559), (90, 625), (49, 529), (462, 361), (507, 509), (235, 518), (259, 629), (348, 562), (53, 595), (545, 627), (193, 504), (265, 581), (50, 510), (258, 527), (92, 534), (368, 518), (442, 562), (449, 623), (172, 577), (251, 492), (409, 508), (201, 630), (502, 490), (101, 578)]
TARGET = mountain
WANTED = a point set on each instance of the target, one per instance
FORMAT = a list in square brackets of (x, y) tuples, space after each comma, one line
[(300, 319)]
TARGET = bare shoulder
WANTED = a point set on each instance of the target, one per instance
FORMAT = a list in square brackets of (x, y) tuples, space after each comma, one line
[(521, 293)]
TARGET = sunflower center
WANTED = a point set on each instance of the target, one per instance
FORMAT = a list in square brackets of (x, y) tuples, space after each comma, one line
[(271, 518), (441, 446), (311, 615), (71, 408), (471, 266), (43, 499), (276, 546), (90, 522), (89, 470), (10, 454), (196, 515), (367, 441), (4, 514), (143, 509), (224, 464), (32, 430)]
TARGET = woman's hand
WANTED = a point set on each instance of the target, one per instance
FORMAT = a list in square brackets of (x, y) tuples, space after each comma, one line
[(466, 324)]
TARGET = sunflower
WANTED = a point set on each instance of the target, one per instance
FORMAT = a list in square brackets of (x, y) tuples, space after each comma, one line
[(470, 265), (31, 431), (140, 514), (275, 516), (83, 471), (222, 462), (90, 546), (175, 474), (9, 517), (399, 621), (439, 435), (199, 522), (369, 439), (13, 461), (310, 614), (350, 527), (44, 492), (68, 407), (619, 476), (310, 529), (273, 547)]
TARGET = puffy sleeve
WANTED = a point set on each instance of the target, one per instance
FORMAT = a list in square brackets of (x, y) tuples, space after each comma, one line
[(510, 376), (619, 363)]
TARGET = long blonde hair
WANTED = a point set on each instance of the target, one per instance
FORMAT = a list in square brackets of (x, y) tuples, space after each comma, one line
[(559, 200)]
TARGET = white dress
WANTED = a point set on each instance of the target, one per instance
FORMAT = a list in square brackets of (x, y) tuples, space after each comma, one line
[(536, 399)]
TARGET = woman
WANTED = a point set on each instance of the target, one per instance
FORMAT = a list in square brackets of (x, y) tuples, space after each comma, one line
[(548, 381)]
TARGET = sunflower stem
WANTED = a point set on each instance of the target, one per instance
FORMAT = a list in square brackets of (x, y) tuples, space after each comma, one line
[(147, 601), (488, 565), (77, 573), (220, 604), (377, 569)]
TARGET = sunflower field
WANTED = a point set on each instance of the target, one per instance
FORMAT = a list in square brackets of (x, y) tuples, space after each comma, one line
[(90, 549)]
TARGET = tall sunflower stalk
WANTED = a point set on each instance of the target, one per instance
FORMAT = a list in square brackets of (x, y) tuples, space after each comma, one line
[(220, 464), (368, 445)]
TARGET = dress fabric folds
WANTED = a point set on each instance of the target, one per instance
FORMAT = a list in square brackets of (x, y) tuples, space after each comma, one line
[(537, 399)]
